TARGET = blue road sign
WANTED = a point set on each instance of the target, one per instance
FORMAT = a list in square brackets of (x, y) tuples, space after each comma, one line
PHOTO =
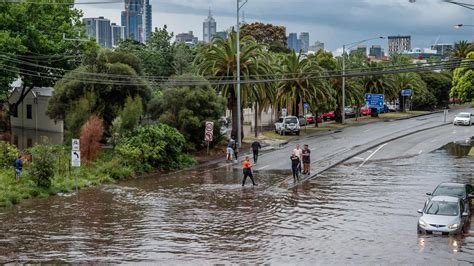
[(406, 92), (374, 100), (306, 105)]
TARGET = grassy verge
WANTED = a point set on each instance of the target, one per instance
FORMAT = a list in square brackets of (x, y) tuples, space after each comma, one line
[(402, 115)]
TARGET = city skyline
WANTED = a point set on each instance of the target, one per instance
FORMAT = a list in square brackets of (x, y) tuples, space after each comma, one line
[(332, 23)]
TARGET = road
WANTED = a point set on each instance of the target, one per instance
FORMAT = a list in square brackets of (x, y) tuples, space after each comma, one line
[(361, 212)]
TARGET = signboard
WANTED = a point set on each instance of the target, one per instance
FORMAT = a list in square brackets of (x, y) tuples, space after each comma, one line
[(406, 92), (284, 112), (209, 132), (75, 145), (75, 158), (306, 105), (374, 100)]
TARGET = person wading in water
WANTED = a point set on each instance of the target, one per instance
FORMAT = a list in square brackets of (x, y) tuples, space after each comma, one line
[(247, 169)]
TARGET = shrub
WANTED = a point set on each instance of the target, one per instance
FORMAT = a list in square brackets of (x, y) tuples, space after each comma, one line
[(8, 154), (91, 134), (43, 166)]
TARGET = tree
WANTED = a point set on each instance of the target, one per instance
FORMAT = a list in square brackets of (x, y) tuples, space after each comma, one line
[(183, 58), (91, 135), (462, 49), (439, 84), (463, 82), (131, 113), (218, 59), (271, 35), (110, 76), (32, 45), (187, 108)]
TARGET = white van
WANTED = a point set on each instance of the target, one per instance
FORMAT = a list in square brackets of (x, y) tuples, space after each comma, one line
[(288, 124)]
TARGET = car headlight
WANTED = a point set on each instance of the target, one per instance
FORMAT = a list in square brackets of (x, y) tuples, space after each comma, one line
[(422, 223), (453, 226)]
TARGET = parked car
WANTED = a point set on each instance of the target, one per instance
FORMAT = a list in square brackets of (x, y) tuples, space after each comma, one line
[(288, 124), (365, 111), (463, 191), (350, 112), (310, 118), (443, 215), (463, 119), (302, 120), (328, 116), (393, 107)]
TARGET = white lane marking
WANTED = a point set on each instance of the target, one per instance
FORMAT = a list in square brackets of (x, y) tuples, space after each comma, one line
[(369, 151), (261, 168), (372, 154), (420, 152), (367, 130), (358, 158), (433, 140)]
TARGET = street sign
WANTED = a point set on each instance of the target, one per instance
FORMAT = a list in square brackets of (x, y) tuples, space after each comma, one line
[(374, 100), (209, 132), (284, 112), (306, 105), (75, 158), (75, 145), (406, 92)]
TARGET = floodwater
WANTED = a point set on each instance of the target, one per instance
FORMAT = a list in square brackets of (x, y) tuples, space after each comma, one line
[(350, 215)]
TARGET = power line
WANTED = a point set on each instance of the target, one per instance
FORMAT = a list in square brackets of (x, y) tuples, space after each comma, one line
[(62, 2)]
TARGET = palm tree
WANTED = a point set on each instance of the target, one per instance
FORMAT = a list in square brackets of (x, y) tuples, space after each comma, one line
[(301, 81), (218, 59), (462, 49), (409, 80)]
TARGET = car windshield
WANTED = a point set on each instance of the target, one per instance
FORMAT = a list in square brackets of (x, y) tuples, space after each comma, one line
[(442, 208), (463, 115), (450, 191), (291, 120)]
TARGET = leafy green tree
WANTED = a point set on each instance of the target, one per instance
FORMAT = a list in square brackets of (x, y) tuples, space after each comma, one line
[(32, 44), (463, 82), (8, 154), (218, 59), (115, 76), (439, 84), (77, 115), (43, 166), (131, 113), (183, 58), (187, 108)]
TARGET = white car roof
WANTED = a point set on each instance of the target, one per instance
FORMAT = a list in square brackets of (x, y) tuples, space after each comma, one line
[(463, 113), (445, 198)]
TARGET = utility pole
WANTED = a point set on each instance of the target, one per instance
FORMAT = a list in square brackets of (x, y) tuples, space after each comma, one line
[(239, 126), (77, 45)]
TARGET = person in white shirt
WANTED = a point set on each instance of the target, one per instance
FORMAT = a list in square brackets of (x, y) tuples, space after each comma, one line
[(298, 152)]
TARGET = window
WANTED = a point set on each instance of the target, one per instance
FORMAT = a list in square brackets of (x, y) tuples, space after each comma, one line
[(15, 140), (15, 110), (29, 111), (29, 143)]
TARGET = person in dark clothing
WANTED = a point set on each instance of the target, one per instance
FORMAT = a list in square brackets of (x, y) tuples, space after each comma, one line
[(255, 147), (18, 167), (234, 147), (247, 169), (306, 160), (295, 167)]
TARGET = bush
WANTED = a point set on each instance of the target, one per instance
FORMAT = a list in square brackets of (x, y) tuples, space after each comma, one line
[(8, 154), (152, 147), (43, 166), (91, 134)]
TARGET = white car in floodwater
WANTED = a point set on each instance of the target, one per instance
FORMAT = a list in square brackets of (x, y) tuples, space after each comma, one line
[(463, 119), (443, 215)]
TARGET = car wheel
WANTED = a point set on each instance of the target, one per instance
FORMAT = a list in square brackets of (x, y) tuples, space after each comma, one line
[(297, 133)]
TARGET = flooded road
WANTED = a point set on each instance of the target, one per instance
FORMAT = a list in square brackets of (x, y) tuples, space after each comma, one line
[(349, 215)]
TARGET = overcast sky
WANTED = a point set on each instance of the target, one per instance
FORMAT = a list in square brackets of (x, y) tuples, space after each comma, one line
[(334, 22)]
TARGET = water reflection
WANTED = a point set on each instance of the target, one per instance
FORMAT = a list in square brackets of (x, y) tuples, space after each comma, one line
[(347, 216)]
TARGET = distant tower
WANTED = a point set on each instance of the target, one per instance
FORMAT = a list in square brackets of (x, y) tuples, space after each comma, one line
[(147, 19), (133, 19), (208, 28)]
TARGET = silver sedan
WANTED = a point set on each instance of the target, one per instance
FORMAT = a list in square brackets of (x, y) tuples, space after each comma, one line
[(443, 215)]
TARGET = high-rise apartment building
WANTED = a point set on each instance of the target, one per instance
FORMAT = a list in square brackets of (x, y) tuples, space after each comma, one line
[(137, 19), (443, 49), (304, 37), (118, 34), (376, 51), (99, 28), (222, 34), (398, 44), (362, 49), (209, 28), (147, 19), (293, 41), (317, 46), (187, 38)]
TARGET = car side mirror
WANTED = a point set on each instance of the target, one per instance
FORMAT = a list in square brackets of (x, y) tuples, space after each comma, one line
[(429, 193), (420, 211), (465, 214)]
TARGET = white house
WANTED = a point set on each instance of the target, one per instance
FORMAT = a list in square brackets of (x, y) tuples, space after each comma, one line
[(30, 123)]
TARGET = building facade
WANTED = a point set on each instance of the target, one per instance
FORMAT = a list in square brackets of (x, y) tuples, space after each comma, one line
[(304, 38), (317, 46), (376, 51), (362, 49), (187, 38), (132, 20), (443, 49), (222, 34), (147, 19), (209, 28), (293, 41), (399, 44), (99, 28)]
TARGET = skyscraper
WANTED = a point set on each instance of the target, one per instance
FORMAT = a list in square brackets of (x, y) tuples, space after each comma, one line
[(317, 46), (398, 44), (376, 51), (118, 34), (208, 28), (304, 37), (99, 28), (147, 19), (137, 19), (293, 41)]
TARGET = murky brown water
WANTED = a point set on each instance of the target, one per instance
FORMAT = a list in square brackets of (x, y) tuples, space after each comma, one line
[(358, 216)]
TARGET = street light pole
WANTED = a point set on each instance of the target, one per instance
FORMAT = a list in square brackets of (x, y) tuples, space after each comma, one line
[(343, 113), (239, 126), (462, 25)]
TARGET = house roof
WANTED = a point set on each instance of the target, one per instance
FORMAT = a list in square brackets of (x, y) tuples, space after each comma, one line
[(37, 91)]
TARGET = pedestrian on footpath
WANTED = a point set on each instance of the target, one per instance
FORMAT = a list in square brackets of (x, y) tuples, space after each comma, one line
[(295, 166), (18, 168), (255, 147), (234, 147), (247, 169), (306, 160), (230, 152), (298, 152)]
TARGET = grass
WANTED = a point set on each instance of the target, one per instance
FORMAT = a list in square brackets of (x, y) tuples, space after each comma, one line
[(402, 115)]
